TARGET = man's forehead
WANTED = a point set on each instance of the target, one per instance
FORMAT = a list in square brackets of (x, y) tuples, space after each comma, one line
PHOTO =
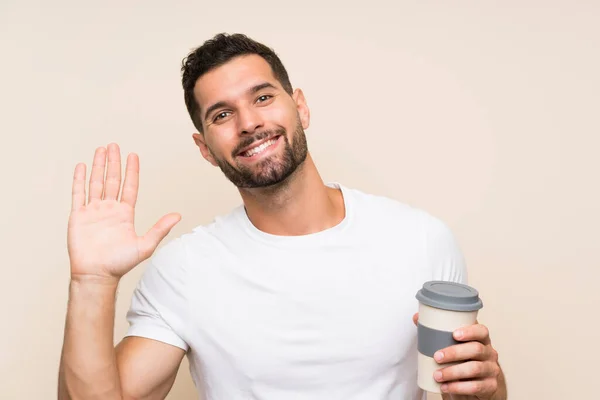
[(233, 79)]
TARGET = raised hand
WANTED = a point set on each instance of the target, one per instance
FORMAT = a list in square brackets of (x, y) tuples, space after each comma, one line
[(102, 241)]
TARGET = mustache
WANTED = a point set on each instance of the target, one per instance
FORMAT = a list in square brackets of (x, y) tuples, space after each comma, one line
[(248, 141)]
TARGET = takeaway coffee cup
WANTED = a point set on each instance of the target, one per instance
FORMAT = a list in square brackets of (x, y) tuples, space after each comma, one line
[(443, 308)]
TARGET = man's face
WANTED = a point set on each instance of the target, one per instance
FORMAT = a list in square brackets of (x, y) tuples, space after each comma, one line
[(253, 129)]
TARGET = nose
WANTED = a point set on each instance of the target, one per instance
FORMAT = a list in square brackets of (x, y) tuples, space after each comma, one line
[(249, 121)]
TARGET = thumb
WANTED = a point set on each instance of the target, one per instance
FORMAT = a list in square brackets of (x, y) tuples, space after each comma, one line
[(149, 242)]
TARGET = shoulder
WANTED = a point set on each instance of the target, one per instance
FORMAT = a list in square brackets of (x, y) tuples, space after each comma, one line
[(407, 227), (394, 212), (205, 240), (397, 223)]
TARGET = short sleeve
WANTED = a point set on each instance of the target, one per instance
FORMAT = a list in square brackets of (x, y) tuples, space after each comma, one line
[(446, 260), (159, 306)]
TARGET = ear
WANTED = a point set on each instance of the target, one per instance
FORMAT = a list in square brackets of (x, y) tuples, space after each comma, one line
[(206, 153), (302, 107)]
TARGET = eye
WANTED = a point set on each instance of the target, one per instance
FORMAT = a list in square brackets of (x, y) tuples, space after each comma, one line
[(221, 115), (264, 98)]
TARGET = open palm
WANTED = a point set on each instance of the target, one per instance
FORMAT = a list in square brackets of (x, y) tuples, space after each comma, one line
[(101, 239)]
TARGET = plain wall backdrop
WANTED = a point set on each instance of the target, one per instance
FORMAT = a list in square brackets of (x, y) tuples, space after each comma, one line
[(483, 113)]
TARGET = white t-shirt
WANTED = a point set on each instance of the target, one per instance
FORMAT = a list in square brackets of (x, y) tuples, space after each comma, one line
[(325, 316)]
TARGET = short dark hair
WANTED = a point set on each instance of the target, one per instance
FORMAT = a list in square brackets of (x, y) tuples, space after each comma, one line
[(217, 51)]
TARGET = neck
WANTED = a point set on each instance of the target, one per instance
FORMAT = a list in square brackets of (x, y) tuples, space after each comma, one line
[(300, 205)]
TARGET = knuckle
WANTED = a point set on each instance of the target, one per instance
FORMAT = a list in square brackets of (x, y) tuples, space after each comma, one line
[(477, 369), (478, 386), (494, 355), (496, 371), (485, 330), (480, 348), (474, 387)]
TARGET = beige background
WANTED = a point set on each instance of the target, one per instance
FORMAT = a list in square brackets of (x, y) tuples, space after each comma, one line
[(483, 113)]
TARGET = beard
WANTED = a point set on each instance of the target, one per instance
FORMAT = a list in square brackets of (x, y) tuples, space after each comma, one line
[(272, 170)]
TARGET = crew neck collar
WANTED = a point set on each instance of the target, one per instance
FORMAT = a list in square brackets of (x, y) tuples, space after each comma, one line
[(279, 240)]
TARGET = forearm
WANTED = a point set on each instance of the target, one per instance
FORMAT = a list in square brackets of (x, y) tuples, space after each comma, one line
[(88, 367)]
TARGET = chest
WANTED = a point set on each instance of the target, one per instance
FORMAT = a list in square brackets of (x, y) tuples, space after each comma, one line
[(311, 315)]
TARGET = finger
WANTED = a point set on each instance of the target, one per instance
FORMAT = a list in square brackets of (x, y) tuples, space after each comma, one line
[(479, 387), (113, 173), (132, 180), (97, 175), (416, 318), (149, 242), (78, 190), (463, 352), (476, 332), (467, 370)]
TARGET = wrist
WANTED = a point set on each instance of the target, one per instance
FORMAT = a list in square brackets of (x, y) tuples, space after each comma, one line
[(93, 285), (95, 280)]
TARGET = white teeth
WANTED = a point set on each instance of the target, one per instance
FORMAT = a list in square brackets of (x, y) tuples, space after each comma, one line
[(259, 149)]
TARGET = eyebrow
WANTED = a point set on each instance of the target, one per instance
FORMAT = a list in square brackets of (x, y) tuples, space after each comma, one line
[(252, 90)]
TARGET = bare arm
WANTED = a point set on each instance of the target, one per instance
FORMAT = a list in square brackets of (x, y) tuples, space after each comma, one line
[(88, 368), (103, 246), (147, 368), (91, 368)]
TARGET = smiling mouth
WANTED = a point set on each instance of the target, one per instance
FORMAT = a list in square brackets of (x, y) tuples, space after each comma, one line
[(260, 148)]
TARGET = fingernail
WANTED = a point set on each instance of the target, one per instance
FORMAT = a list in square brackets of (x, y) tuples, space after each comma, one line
[(439, 356), (437, 376), (458, 334), (444, 388)]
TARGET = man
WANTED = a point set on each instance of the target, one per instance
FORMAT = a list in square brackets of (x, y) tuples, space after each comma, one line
[(306, 291)]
